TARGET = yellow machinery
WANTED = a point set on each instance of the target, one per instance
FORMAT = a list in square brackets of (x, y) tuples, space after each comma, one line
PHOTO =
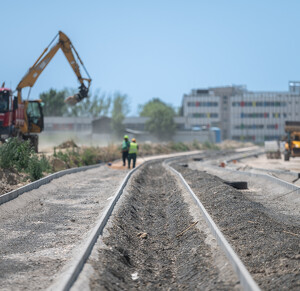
[(292, 145), (27, 116)]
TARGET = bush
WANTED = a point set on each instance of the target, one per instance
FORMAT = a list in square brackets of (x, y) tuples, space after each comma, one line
[(35, 169), (15, 153), (196, 145), (63, 156), (88, 157), (46, 167), (179, 147), (210, 146), (19, 155)]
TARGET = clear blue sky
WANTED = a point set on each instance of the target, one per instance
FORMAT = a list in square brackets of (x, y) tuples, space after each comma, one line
[(157, 48)]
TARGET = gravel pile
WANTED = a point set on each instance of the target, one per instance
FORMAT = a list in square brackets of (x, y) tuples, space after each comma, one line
[(269, 248), (142, 248)]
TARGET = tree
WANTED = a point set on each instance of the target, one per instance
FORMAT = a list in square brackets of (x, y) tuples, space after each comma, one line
[(161, 122), (119, 111), (93, 106), (180, 111), (54, 104)]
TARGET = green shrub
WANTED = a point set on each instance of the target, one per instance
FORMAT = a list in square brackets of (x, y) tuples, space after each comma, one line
[(46, 167), (210, 146), (88, 156), (34, 169), (179, 147), (16, 154), (63, 156), (196, 145), (75, 159)]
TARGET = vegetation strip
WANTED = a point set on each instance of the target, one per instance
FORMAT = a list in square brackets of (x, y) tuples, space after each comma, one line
[(246, 280)]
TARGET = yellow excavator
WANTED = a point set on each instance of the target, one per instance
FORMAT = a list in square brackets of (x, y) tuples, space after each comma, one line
[(24, 118), (292, 145)]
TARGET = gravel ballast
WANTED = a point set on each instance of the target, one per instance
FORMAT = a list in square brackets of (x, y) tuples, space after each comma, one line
[(141, 248), (266, 242)]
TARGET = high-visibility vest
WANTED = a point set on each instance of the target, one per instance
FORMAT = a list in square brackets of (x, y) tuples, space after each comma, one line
[(125, 145), (133, 148)]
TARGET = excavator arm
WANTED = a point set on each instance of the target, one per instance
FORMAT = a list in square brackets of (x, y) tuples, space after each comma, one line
[(68, 49)]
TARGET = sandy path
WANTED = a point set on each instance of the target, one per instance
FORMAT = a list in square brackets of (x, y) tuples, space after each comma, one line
[(41, 229)]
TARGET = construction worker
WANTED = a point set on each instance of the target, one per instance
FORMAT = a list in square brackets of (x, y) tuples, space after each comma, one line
[(133, 149), (125, 148)]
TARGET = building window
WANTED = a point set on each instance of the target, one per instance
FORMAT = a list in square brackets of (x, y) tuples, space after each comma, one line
[(258, 104), (204, 115), (254, 115), (202, 104)]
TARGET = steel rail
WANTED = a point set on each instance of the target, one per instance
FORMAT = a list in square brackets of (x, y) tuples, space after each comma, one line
[(244, 276)]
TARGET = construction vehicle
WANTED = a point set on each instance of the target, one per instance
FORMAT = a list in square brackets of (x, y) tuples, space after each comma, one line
[(292, 145), (24, 118), (272, 149)]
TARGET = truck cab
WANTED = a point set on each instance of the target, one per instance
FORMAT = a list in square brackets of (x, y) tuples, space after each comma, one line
[(6, 112), (13, 116)]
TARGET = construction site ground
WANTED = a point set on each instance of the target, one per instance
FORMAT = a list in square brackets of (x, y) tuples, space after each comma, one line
[(273, 164), (262, 222), (43, 229)]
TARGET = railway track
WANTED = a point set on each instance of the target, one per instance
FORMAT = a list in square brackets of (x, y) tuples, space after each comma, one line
[(152, 236), (143, 246)]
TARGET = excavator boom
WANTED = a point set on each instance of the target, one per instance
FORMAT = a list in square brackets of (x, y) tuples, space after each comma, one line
[(67, 48)]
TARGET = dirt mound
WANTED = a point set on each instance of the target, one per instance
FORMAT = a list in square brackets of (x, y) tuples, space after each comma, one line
[(68, 144), (58, 165), (10, 180)]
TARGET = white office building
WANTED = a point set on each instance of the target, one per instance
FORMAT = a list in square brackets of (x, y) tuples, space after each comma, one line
[(241, 114)]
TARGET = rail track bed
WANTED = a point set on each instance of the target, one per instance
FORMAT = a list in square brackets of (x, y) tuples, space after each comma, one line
[(145, 247), (155, 238), (267, 242)]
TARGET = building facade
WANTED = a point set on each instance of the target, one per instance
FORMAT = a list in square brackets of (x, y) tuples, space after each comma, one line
[(240, 114)]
